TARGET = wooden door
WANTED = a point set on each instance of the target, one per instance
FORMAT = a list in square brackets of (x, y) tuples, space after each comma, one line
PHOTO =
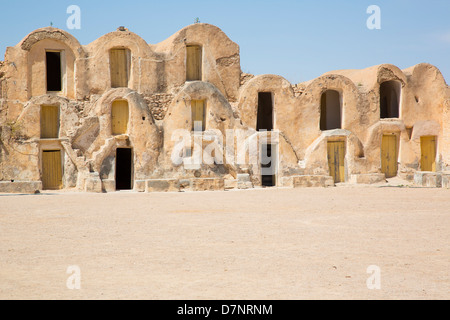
[(389, 155), (118, 61), (336, 160), (198, 113), (428, 153), (51, 170), (49, 122), (119, 117), (193, 63)]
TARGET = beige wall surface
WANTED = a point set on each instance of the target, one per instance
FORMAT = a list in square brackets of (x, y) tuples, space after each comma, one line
[(159, 100)]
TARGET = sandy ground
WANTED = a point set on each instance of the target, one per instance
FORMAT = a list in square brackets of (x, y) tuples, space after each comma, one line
[(256, 244)]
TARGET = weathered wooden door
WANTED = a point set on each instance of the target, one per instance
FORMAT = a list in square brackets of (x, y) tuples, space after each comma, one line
[(118, 62), (389, 155), (428, 153), (51, 170), (119, 117), (49, 122), (193, 63), (198, 113), (336, 160)]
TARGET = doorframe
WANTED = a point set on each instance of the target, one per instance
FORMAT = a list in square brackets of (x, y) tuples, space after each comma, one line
[(435, 148), (63, 62), (55, 146), (129, 58), (338, 139), (397, 144), (202, 53)]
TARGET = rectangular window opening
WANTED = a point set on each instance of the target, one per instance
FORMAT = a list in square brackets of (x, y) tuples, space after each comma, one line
[(330, 110), (54, 70), (265, 111), (390, 95)]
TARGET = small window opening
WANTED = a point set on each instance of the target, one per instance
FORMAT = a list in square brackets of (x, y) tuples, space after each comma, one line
[(409, 131)]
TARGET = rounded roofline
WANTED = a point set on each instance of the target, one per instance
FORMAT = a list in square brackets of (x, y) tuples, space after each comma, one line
[(171, 40), (424, 65), (115, 33), (50, 33)]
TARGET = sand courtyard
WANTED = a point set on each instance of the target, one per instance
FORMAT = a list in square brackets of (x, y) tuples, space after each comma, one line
[(312, 243)]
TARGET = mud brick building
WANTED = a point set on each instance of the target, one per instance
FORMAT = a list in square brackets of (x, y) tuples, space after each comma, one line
[(101, 117)]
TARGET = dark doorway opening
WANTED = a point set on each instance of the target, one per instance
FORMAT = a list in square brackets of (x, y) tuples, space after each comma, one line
[(330, 110), (53, 62), (265, 111), (124, 161), (268, 165), (390, 99)]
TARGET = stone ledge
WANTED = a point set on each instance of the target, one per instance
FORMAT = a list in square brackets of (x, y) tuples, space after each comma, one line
[(139, 185), (367, 178), (176, 185), (244, 181), (308, 181), (428, 179), (208, 184), (162, 185), (20, 186), (287, 182), (446, 180)]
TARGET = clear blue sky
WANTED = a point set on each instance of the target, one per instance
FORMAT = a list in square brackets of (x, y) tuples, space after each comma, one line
[(297, 39)]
